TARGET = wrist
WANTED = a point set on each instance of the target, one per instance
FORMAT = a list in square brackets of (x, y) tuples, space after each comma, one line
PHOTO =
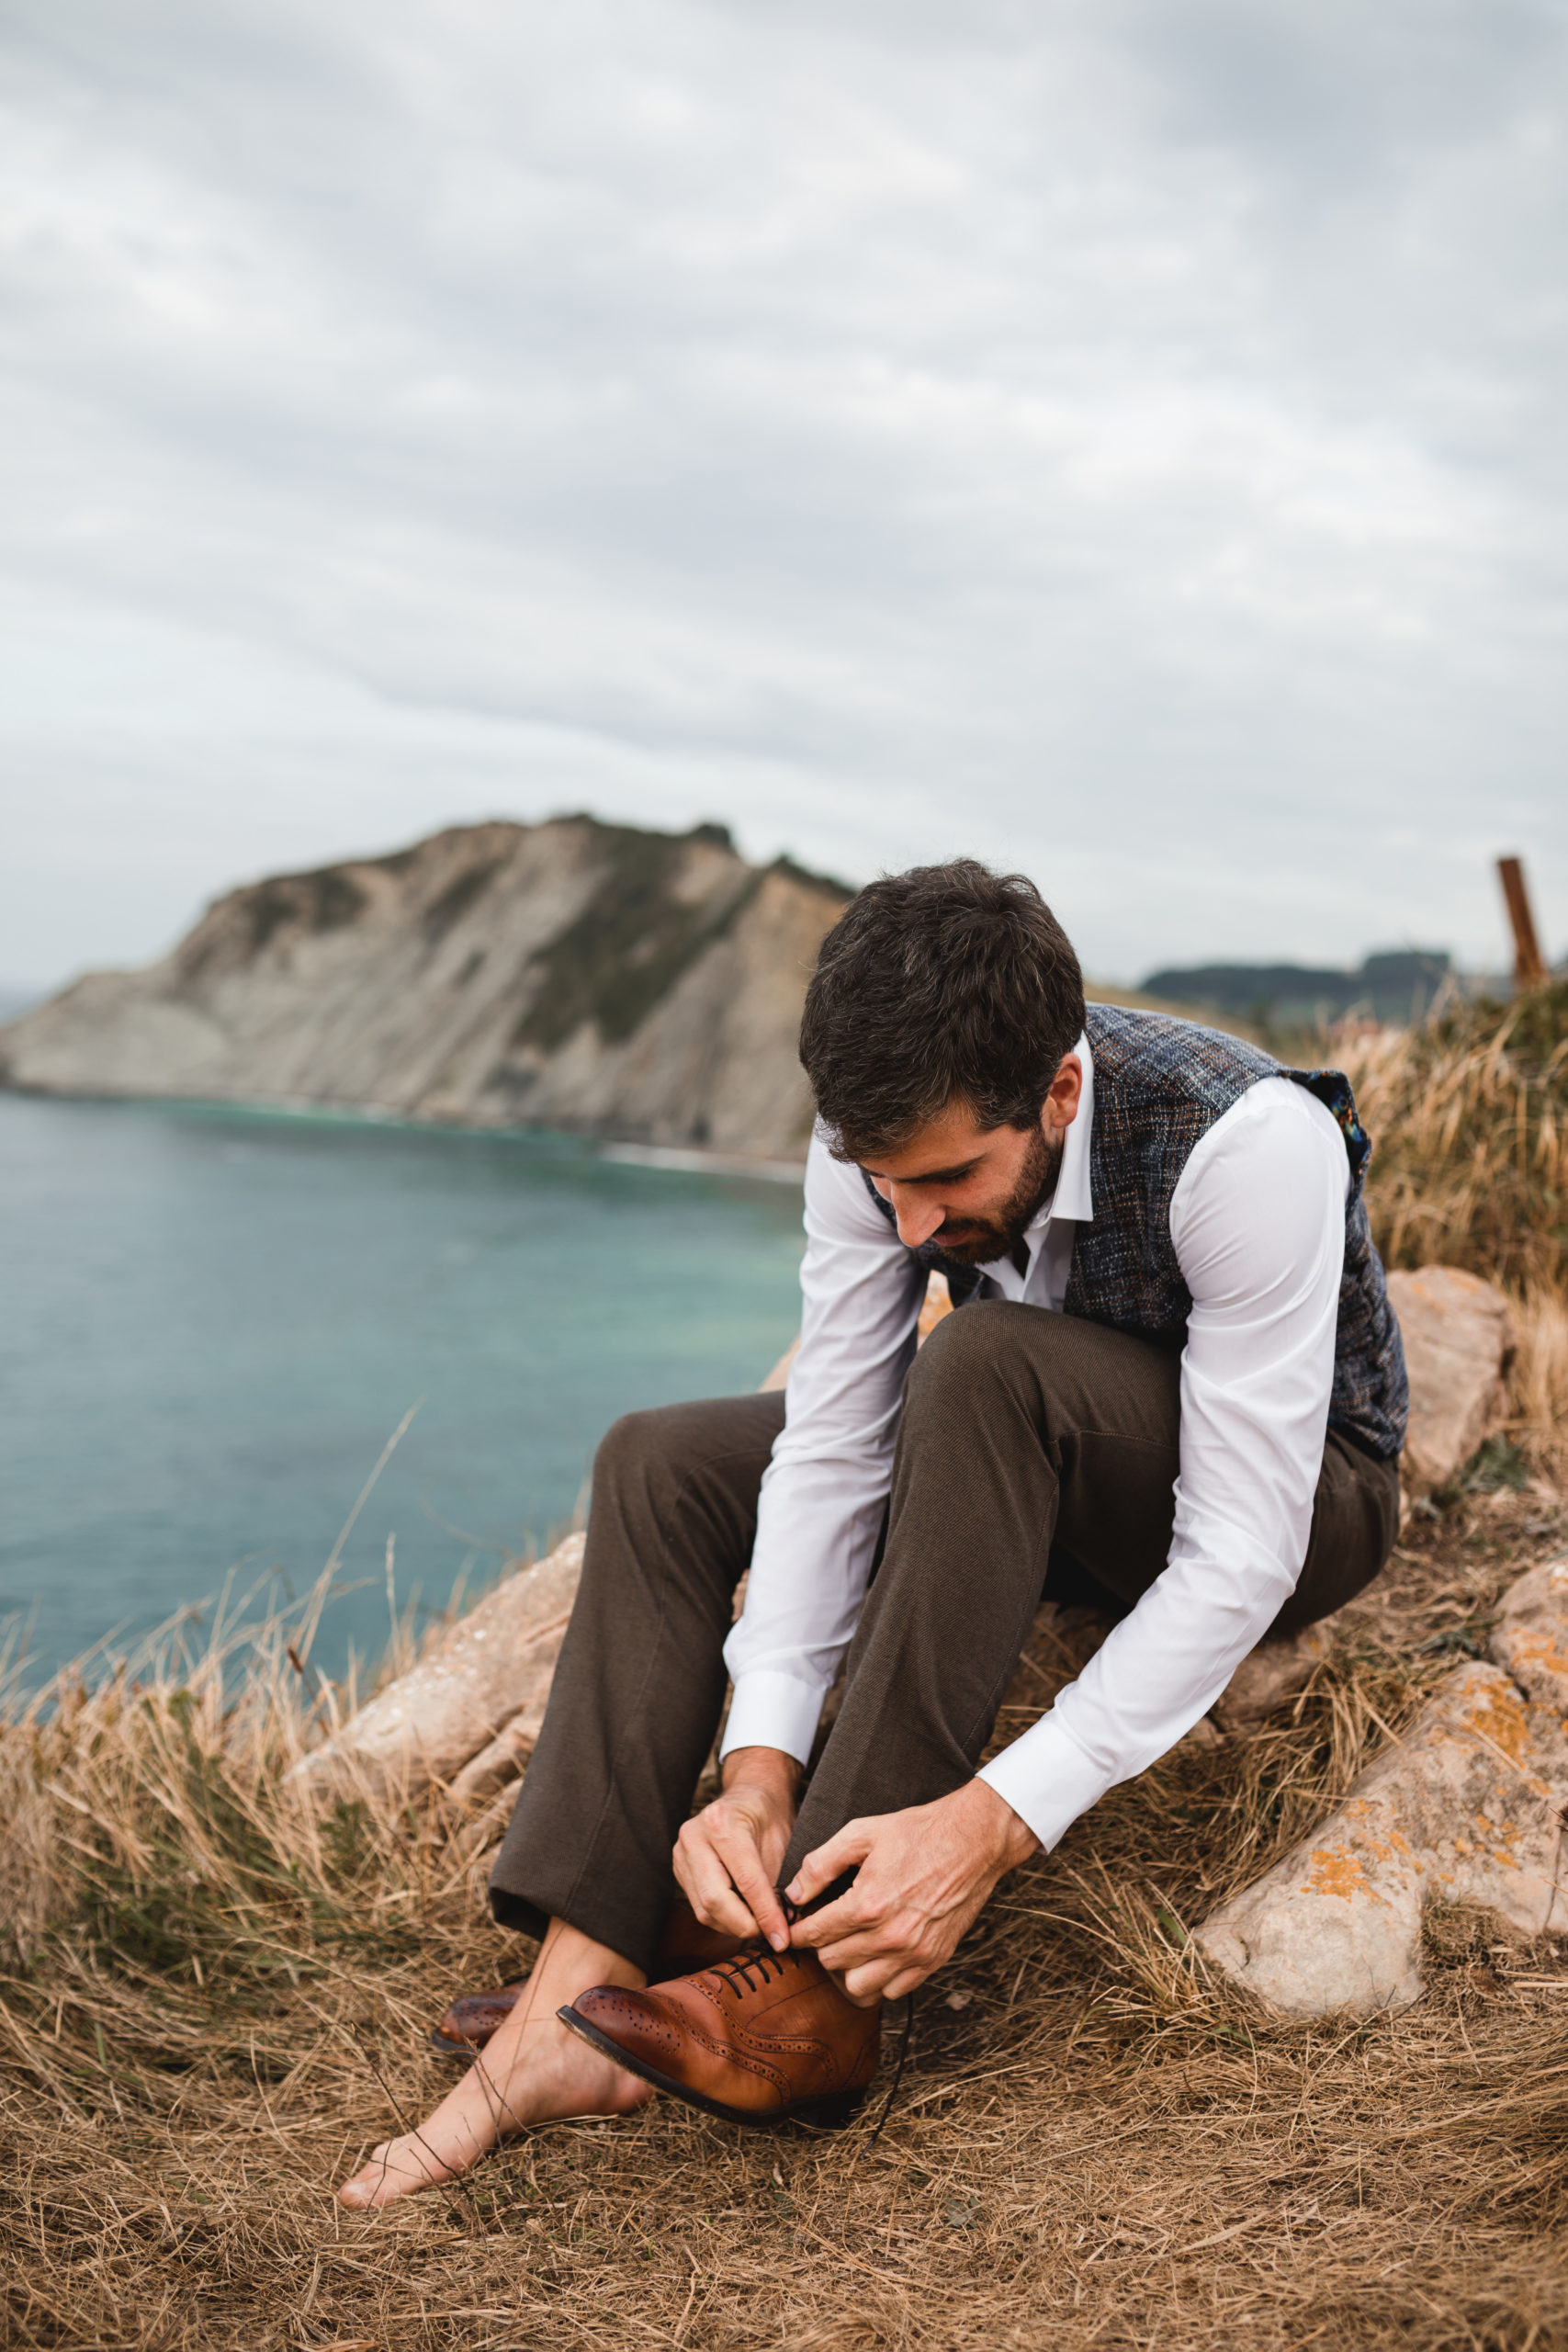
[(769, 1771), (1008, 1835)]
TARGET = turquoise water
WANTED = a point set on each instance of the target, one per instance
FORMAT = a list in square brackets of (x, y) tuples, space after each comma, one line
[(211, 1321)]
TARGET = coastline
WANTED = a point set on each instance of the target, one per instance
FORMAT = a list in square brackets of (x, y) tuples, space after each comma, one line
[(306, 1110)]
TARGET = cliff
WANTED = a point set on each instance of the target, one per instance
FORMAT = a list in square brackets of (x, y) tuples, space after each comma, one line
[(638, 985)]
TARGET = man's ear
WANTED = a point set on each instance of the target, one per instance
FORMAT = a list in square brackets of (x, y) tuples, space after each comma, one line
[(1060, 1107)]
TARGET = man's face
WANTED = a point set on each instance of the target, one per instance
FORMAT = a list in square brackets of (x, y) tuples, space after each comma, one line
[(974, 1191)]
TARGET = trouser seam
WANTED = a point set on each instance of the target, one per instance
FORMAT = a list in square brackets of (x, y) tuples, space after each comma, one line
[(987, 1714)]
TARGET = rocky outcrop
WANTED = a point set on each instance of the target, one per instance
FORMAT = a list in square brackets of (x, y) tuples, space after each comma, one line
[(475, 1700), (1458, 1342), (1529, 1640), (1466, 1808), (640, 985)]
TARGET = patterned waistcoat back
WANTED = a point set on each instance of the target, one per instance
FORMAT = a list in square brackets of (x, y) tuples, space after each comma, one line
[(1159, 1085)]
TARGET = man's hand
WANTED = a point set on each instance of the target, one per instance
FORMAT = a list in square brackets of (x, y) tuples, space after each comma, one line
[(727, 1856), (924, 1874)]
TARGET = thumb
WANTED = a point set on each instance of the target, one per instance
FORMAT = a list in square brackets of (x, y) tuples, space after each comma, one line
[(848, 1847)]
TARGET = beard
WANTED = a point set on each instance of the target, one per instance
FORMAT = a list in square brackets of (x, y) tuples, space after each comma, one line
[(978, 1240)]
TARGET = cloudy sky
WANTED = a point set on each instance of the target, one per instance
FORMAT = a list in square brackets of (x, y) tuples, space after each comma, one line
[(1124, 437)]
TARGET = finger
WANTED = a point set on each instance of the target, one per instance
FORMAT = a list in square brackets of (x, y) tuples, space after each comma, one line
[(741, 1858), (708, 1886), (850, 1915), (882, 1979), (856, 1951), (850, 1845)]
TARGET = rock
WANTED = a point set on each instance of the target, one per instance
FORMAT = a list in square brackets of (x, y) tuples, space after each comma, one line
[(597, 978), (1269, 1675), (1459, 1342), (485, 1683), (501, 1759), (1466, 1808), (938, 1302), (1529, 1640)]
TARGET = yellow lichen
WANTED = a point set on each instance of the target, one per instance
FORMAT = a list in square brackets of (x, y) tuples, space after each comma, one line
[(1336, 1870), (1500, 1718)]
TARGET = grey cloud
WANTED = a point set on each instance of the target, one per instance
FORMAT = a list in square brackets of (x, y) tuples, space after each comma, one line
[(1121, 439)]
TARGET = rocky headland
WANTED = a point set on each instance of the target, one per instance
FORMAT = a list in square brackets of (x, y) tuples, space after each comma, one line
[(629, 984)]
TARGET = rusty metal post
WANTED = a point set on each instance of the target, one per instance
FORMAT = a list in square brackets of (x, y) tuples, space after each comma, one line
[(1529, 965)]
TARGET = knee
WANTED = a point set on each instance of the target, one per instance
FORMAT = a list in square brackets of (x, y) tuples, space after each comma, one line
[(630, 1452), (649, 1455), (965, 1357)]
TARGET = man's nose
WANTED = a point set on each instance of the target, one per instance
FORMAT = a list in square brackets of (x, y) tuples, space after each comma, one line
[(917, 1219)]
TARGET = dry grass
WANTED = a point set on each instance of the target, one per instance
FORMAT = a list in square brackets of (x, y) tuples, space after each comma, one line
[(213, 2001), (1470, 1115), (1540, 1377)]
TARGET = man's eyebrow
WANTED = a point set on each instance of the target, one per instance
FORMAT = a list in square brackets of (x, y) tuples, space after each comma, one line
[(931, 1176)]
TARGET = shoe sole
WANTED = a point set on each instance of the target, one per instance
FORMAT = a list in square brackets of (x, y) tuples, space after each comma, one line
[(827, 2114), (457, 2053), (464, 2053)]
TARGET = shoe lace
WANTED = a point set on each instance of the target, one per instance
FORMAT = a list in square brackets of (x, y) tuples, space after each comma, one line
[(760, 1955), (793, 1911), (867, 2145), (737, 1971)]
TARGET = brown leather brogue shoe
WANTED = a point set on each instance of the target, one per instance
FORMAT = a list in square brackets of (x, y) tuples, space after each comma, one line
[(754, 2038), (467, 2025), (685, 1945)]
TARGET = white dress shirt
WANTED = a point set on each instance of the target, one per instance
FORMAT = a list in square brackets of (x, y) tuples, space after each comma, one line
[(1257, 1222)]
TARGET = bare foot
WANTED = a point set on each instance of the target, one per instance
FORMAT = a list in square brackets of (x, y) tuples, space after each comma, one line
[(531, 2070)]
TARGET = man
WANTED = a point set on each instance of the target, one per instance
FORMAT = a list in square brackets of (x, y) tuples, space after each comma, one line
[(1174, 1386)]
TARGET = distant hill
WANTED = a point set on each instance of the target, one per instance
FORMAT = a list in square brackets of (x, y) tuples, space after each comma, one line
[(632, 984), (1395, 985)]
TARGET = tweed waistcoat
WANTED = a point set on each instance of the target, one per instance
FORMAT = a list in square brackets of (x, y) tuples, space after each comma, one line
[(1159, 1085)]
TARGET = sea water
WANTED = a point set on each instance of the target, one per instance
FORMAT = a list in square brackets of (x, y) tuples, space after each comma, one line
[(213, 1320)]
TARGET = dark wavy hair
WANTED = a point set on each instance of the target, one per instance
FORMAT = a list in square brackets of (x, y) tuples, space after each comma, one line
[(946, 985)]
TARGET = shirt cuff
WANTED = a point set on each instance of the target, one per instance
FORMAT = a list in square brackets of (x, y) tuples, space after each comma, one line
[(772, 1710), (1047, 1778)]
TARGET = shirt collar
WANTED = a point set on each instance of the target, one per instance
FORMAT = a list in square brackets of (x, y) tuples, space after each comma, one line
[(1072, 1196)]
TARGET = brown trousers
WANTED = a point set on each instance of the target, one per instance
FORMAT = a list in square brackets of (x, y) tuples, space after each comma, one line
[(1036, 1459)]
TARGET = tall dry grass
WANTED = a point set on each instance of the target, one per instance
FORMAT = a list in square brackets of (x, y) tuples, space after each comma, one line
[(1469, 1114), (214, 1999), (1539, 1380)]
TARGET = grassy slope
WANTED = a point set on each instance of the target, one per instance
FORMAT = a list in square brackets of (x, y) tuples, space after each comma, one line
[(214, 2002)]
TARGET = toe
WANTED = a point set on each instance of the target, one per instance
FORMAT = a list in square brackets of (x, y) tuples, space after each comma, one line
[(392, 2171)]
